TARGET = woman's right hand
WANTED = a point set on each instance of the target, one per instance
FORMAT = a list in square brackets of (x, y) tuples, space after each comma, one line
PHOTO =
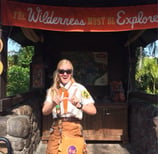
[(49, 104), (57, 98)]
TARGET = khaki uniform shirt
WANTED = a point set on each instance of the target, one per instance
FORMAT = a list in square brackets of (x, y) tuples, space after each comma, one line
[(73, 89)]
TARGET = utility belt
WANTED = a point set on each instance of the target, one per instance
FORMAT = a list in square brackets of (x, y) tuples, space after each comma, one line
[(58, 122), (67, 119)]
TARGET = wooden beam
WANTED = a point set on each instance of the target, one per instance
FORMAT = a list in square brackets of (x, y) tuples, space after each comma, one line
[(134, 36), (8, 102), (3, 59)]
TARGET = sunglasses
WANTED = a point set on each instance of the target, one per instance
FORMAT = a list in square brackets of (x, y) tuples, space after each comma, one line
[(61, 71)]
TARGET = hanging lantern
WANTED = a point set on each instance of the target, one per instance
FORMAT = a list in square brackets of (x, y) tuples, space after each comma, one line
[(1, 67), (1, 45)]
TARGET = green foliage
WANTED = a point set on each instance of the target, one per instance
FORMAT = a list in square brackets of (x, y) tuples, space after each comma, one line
[(147, 75), (25, 56), (19, 71), (18, 80)]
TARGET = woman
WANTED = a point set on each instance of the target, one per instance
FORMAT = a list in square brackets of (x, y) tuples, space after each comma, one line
[(66, 100)]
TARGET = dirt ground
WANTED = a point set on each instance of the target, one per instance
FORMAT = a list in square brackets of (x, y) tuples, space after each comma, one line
[(114, 148), (93, 148), (98, 148)]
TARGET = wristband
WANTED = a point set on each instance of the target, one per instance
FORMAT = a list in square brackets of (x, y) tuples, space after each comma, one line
[(80, 106)]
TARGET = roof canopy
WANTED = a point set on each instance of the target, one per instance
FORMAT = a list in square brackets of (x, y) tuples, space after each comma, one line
[(58, 18), (100, 16), (90, 3)]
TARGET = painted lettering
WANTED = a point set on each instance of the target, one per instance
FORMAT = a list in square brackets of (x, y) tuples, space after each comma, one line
[(46, 17), (19, 15), (139, 19), (96, 20), (111, 21)]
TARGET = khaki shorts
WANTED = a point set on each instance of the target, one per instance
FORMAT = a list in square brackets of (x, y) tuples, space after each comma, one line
[(71, 130)]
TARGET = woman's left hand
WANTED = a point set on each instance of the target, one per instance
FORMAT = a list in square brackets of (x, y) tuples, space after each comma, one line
[(74, 100)]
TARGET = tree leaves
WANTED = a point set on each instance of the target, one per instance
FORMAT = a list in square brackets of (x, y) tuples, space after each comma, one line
[(19, 71)]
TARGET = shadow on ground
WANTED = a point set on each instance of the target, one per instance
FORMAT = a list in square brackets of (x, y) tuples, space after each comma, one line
[(99, 148)]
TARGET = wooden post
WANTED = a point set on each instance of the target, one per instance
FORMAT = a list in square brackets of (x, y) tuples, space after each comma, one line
[(3, 60)]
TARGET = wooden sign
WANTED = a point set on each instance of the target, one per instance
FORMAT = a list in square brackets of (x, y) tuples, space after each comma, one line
[(57, 18)]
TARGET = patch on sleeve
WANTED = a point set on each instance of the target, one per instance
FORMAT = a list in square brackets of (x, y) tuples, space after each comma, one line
[(85, 94)]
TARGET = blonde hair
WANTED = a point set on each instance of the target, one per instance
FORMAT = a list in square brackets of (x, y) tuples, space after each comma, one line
[(56, 81)]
